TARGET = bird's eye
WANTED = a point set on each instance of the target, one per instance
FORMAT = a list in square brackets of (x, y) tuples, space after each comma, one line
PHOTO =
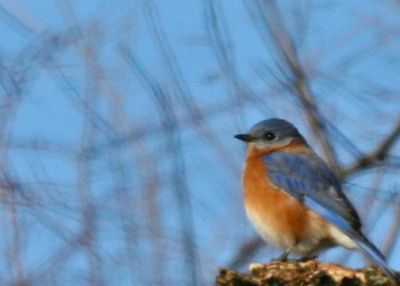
[(269, 135)]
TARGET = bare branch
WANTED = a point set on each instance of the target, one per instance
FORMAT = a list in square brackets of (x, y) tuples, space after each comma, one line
[(286, 47), (380, 153)]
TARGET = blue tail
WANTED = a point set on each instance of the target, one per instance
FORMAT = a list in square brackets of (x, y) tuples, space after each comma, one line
[(373, 254)]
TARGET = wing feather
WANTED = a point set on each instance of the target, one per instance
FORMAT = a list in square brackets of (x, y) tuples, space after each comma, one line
[(306, 175)]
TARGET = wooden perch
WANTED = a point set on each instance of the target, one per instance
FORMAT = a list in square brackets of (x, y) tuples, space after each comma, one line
[(309, 273)]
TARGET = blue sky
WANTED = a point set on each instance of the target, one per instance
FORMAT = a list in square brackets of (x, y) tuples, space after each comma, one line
[(350, 50)]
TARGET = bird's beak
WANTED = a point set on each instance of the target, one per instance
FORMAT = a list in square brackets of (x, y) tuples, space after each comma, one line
[(244, 137)]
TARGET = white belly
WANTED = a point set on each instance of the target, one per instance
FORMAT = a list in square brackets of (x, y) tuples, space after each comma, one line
[(318, 236), (268, 232)]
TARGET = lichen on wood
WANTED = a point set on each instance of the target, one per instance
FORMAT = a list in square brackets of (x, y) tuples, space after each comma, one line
[(308, 273)]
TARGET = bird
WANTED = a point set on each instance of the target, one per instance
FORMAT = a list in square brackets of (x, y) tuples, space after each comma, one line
[(294, 200)]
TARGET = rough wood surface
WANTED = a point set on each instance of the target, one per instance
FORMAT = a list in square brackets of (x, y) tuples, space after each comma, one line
[(294, 273)]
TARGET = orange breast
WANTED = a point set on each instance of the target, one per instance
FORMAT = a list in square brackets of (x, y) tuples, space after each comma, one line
[(271, 206)]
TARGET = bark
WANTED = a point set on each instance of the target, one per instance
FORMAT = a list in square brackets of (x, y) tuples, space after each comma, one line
[(294, 273)]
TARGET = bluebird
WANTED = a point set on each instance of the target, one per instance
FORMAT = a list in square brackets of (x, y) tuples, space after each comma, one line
[(294, 200)]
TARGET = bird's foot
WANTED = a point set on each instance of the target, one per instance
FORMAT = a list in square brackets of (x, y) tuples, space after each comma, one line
[(284, 256), (307, 257)]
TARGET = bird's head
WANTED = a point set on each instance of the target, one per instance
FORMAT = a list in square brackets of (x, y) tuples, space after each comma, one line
[(273, 133)]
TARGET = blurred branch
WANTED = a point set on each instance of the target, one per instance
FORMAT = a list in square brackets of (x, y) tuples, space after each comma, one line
[(174, 147), (221, 42), (285, 46), (394, 231), (180, 88), (246, 250), (380, 153)]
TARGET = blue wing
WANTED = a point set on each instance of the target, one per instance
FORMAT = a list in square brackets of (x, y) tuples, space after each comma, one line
[(308, 177)]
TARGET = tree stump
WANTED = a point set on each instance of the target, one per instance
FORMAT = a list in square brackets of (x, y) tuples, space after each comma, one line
[(308, 273)]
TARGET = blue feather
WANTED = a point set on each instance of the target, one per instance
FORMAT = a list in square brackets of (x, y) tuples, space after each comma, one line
[(307, 175), (327, 214), (372, 253)]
